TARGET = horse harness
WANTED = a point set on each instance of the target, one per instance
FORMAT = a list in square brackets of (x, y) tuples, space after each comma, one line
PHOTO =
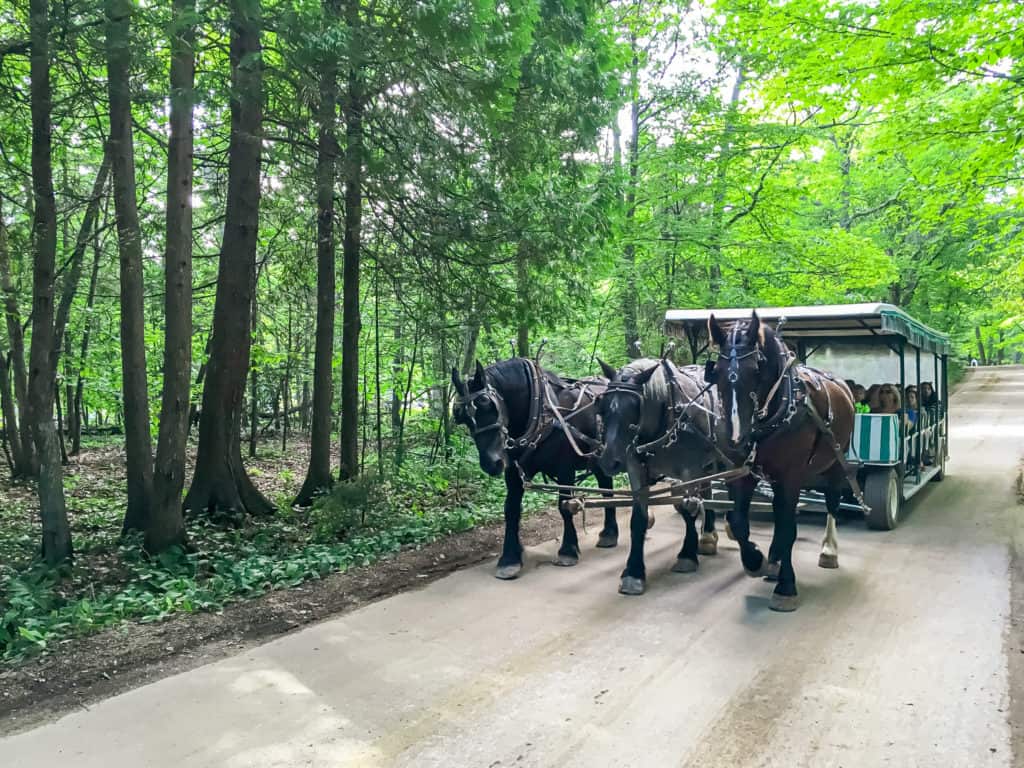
[(544, 415), (793, 385)]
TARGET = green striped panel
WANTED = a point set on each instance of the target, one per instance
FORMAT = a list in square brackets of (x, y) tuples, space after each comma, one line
[(875, 438)]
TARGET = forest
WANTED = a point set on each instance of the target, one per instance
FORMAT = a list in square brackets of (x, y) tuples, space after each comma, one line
[(243, 243)]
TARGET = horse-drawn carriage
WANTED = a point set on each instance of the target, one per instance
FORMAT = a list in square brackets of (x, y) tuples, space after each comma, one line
[(895, 457)]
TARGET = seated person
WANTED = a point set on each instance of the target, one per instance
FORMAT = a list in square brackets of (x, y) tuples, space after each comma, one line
[(929, 397), (860, 396), (887, 399), (871, 398), (910, 398)]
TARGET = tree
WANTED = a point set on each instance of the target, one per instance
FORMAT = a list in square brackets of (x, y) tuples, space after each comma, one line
[(352, 171), (220, 482), (56, 546), (318, 475), (166, 525), (138, 449)]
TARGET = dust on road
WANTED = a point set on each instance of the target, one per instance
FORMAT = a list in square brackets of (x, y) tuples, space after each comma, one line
[(909, 655)]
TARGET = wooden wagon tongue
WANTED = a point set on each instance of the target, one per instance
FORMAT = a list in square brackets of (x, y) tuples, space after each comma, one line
[(673, 492)]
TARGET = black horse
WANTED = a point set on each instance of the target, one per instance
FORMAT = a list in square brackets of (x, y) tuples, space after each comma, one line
[(527, 421), (660, 421), (792, 423)]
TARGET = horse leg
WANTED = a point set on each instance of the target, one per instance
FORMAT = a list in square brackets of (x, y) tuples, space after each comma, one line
[(609, 536), (784, 598), (829, 557), (772, 573), (732, 497), (708, 543), (569, 552), (686, 560), (754, 562), (510, 564), (634, 577)]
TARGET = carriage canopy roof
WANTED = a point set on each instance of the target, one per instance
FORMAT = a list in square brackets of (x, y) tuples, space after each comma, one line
[(825, 321)]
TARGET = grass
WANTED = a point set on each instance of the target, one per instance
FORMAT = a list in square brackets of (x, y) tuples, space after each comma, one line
[(113, 581)]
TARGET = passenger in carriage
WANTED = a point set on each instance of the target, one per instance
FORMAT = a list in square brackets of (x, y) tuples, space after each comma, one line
[(930, 409), (871, 398), (910, 398), (860, 397), (929, 397)]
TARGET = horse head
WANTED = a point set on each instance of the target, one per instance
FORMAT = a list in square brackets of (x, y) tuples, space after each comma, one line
[(744, 372), (481, 408), (620, 409)]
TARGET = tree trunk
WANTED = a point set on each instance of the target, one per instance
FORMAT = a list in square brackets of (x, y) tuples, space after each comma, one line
[(138, 449), (318, 474), (56, 543), (523, 299), (60, 426), (220, 481), (981, 346), (629, 299), (721, 177), (25, 460), (166, 524), (350, 325), (10, 416), (10, 419), (80, 414)]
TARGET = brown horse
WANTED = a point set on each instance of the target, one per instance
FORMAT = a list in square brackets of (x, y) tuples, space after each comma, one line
[(793, 423)]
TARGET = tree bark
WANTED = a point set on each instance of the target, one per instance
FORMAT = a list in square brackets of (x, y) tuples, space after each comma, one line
[(166, 523), (56, 540), (134, 386), (629, 299), (80, 415), (981, 346), (11, 431), (318, 474), (25, 460), (10, 418), (350, 324), (220, 481), (523, 299), (721, 178)]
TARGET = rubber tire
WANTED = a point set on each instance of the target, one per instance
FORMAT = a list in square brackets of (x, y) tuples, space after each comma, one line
[(882, 493), (941, 474)]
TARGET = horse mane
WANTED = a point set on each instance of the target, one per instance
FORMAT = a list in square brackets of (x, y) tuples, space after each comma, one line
[(655, 391)]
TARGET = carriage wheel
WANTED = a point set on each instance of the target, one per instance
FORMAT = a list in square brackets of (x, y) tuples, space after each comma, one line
[(882, 494)]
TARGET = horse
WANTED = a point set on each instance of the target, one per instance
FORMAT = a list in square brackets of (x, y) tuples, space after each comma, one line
[(526, 420), (659, 421), (793, 422)]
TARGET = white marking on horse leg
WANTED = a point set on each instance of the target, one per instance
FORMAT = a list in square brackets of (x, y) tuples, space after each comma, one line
[(829, 557)]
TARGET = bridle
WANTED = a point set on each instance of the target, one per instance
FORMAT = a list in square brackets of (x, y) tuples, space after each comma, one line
[(471, 404)]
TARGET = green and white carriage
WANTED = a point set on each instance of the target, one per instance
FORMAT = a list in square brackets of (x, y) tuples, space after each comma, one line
[(869, 344)]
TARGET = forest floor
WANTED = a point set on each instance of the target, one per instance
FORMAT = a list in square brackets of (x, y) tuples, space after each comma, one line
[(118, 620)]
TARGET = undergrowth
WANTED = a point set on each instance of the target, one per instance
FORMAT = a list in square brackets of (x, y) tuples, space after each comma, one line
[(113, 580)]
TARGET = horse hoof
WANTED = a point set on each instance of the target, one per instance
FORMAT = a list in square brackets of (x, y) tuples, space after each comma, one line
[(566, 561), (682, 565), (828, 560), (728, 531), (607, 540), (509, 572), (708, 544), (771, 573), (764, 570), (631, 585), (783, 603)]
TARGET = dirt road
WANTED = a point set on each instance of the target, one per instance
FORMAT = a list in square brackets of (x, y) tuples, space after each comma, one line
[(909, 655)]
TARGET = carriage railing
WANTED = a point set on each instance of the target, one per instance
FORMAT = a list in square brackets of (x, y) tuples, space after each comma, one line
[(922, 440)]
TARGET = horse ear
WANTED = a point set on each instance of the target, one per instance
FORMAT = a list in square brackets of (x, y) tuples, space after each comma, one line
[(644, 376), (457, 382), (609, 372), (715, 332), (479, 376), (755, 331)]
